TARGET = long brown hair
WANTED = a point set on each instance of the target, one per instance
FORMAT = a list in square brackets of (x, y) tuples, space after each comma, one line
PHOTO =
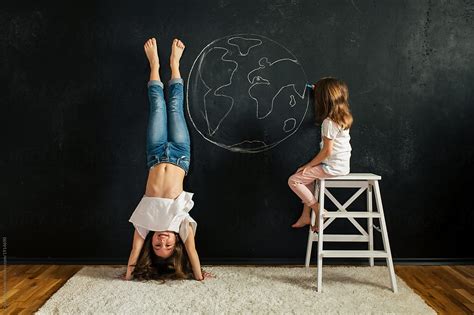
[(331, 97), (151, 267)]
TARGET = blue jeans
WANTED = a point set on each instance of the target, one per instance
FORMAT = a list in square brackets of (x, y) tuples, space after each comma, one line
[(167, 136)]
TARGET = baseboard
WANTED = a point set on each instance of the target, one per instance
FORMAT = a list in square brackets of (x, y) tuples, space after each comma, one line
[(246, 261)]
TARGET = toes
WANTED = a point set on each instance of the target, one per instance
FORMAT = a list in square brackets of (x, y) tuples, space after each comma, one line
[(178, 43), (150, 42)]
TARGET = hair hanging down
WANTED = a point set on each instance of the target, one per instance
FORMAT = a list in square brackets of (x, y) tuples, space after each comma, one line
[(331, 98), (151, 267)]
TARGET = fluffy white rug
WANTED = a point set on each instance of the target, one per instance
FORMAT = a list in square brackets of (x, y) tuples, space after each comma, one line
[(263, 290)]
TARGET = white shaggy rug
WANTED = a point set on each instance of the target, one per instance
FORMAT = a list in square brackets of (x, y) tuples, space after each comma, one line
[(263, 290)]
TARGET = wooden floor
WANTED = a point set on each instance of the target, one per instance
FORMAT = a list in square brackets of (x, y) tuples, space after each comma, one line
[(447, 289)]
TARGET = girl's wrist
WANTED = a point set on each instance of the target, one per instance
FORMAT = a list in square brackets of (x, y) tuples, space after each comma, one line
[(199, 275)]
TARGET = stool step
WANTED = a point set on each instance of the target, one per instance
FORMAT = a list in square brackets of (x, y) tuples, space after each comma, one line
[(354, 253), (352, 214), (356, 176), (341, 237)]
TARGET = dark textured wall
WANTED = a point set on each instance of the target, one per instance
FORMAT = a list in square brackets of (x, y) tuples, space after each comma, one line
[(74, 114)]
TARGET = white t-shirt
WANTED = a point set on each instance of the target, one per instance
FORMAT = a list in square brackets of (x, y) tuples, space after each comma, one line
[(338, 163), (164, 214)]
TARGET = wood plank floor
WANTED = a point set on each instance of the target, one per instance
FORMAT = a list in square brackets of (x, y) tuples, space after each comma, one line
[(448, 289)]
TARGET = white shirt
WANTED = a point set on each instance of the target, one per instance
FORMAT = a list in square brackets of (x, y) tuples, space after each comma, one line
[(338, 162), (164, 214)]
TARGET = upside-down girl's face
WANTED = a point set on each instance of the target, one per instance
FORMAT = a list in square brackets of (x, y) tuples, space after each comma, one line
[(163, 243)]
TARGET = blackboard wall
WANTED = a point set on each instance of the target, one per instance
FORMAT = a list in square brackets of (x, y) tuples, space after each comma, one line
[(74, 118)]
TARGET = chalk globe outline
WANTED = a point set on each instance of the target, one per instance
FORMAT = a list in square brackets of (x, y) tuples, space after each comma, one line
[(237, 149)]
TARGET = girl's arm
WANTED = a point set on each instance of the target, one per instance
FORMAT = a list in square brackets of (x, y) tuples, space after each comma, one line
[(321, 156), (192, 254), (136, 248)]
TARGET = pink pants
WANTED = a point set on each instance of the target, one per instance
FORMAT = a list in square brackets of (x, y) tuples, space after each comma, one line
[(303, 185)]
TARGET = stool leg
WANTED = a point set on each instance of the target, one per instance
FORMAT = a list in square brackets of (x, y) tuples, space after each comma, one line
[(320, 234), (310, 241), (370, 223), (386, 244)]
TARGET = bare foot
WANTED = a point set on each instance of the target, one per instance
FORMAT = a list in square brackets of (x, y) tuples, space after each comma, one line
[(315, 227), (302, 221), (151, 51), (177, 48)]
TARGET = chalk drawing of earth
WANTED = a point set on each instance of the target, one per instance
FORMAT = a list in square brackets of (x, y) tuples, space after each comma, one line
[(246, 93)]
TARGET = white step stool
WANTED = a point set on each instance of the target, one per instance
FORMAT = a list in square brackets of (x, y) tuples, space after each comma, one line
[(365, 182)]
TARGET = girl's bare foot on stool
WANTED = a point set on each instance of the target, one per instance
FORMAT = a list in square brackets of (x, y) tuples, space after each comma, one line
[(304, 219), (151, 51), (315, 227)]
